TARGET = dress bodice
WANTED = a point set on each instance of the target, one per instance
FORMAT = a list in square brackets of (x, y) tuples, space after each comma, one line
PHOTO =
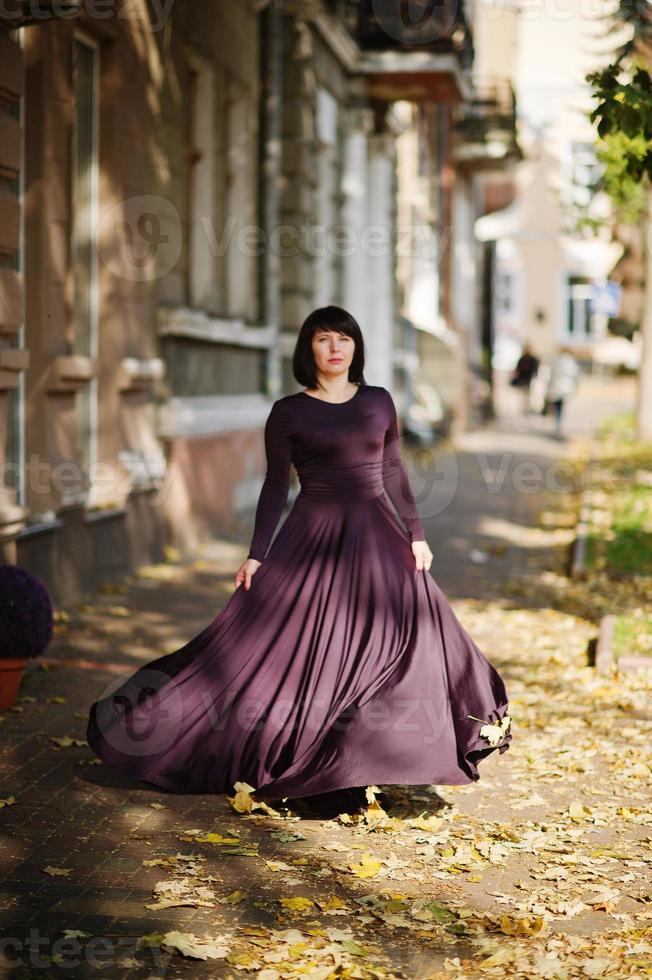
[(343, 452)]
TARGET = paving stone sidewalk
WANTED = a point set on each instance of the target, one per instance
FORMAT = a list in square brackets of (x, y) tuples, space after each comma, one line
[(503, 566)]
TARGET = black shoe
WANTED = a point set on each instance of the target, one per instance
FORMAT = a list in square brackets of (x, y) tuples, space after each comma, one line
[(351, 800)]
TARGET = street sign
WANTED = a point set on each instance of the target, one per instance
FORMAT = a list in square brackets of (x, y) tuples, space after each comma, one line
[(605, 298)]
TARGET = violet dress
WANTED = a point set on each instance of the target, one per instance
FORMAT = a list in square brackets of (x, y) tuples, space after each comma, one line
[(342, 665)]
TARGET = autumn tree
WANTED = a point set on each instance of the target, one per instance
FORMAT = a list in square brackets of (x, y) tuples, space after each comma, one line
[(624, 125)]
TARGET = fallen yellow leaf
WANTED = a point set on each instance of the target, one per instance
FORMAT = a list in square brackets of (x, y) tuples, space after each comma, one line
[(368, 867)]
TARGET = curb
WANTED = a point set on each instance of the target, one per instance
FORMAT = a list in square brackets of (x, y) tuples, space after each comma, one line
[(605, 660), (604, 655), (578, 563)]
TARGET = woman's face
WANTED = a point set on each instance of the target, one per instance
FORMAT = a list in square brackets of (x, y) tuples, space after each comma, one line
[(333, 353)]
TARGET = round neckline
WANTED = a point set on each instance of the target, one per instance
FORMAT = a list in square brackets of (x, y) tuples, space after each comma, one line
[(334, 404)]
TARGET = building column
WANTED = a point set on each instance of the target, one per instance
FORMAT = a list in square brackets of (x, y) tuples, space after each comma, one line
[(359, 125), (271, 181), (378, 246)]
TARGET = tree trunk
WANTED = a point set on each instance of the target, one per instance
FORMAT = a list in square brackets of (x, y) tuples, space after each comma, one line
[(644, 405)]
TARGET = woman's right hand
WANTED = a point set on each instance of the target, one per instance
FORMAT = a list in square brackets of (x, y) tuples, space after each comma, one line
[(248, 568)]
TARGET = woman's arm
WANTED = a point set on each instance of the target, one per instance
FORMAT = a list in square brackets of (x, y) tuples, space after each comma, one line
[(274, 491), (396, 479)]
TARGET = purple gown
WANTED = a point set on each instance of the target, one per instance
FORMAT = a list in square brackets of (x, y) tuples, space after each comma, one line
[(342, 665)]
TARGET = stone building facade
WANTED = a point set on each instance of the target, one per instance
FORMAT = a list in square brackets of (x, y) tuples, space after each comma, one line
[(179, 191)]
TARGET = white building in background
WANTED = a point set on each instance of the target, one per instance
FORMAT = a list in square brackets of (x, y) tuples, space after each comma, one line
[(548, 257)]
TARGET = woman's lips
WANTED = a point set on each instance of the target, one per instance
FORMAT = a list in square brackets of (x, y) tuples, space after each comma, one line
[(334, 360)]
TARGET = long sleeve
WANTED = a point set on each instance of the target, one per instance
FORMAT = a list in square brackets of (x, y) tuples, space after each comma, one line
[(274, 491), (396, 479)]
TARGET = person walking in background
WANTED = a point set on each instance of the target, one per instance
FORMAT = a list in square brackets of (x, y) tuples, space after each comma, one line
[(562, 381), (522, 375)]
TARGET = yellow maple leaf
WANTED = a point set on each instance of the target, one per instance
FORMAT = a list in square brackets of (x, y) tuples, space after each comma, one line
[(528, 925), (578, 811), (499, 958), (65, 741), (331, 904), (368, 867), (234, 897), (242, 801), (422, 822), (190, 945), (297, 904), (494, 732), (215, 838)]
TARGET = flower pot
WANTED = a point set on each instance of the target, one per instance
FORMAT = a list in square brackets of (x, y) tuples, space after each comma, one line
[(11, 674)]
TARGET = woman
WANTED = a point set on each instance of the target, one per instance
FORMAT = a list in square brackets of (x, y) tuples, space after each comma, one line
[(562, 381), (337, 663)]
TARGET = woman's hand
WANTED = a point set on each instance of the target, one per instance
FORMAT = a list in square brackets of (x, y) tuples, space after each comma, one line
[(423, 555), (248, 568)]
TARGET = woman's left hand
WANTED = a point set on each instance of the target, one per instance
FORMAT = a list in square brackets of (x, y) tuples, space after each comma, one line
[(423, 555)]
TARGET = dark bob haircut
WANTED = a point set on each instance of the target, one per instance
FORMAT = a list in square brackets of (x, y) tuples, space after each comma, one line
[(326, 318)]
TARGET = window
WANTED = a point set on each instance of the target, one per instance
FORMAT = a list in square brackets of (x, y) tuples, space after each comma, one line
[(241, 202), (586, 172), (582, 185), (504, 292), (202, 287), (578, 324), (84, 194), (14, 475)]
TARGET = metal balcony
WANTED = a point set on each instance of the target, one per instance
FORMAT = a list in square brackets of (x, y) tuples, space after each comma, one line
[(419, 50), (485, 128)]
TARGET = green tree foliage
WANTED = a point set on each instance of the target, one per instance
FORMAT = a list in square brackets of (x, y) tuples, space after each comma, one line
[(624, 123), (624, 111)]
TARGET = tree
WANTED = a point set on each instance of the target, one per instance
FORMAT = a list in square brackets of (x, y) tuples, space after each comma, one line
[(624, 114)]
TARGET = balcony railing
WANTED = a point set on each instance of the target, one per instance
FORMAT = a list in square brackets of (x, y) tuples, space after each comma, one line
[(347, 12), (433, 26), (413, 50), (485, 125)]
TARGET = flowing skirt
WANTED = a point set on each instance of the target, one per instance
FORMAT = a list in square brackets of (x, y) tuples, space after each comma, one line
[(341, 666)]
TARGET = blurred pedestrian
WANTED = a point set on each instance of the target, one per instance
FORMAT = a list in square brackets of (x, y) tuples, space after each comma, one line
[(563, 378), (522, 375)]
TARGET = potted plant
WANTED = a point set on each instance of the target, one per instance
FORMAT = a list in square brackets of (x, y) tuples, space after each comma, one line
[(26, 626)]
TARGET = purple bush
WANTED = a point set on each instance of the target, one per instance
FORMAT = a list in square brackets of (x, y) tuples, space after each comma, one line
[(26, 615)]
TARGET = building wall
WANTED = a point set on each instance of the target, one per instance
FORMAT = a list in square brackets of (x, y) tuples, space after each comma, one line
[(434, 229), (210, 316), (144, 332), (14, 358), (87, 409), (543, 248), (116, 472)]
